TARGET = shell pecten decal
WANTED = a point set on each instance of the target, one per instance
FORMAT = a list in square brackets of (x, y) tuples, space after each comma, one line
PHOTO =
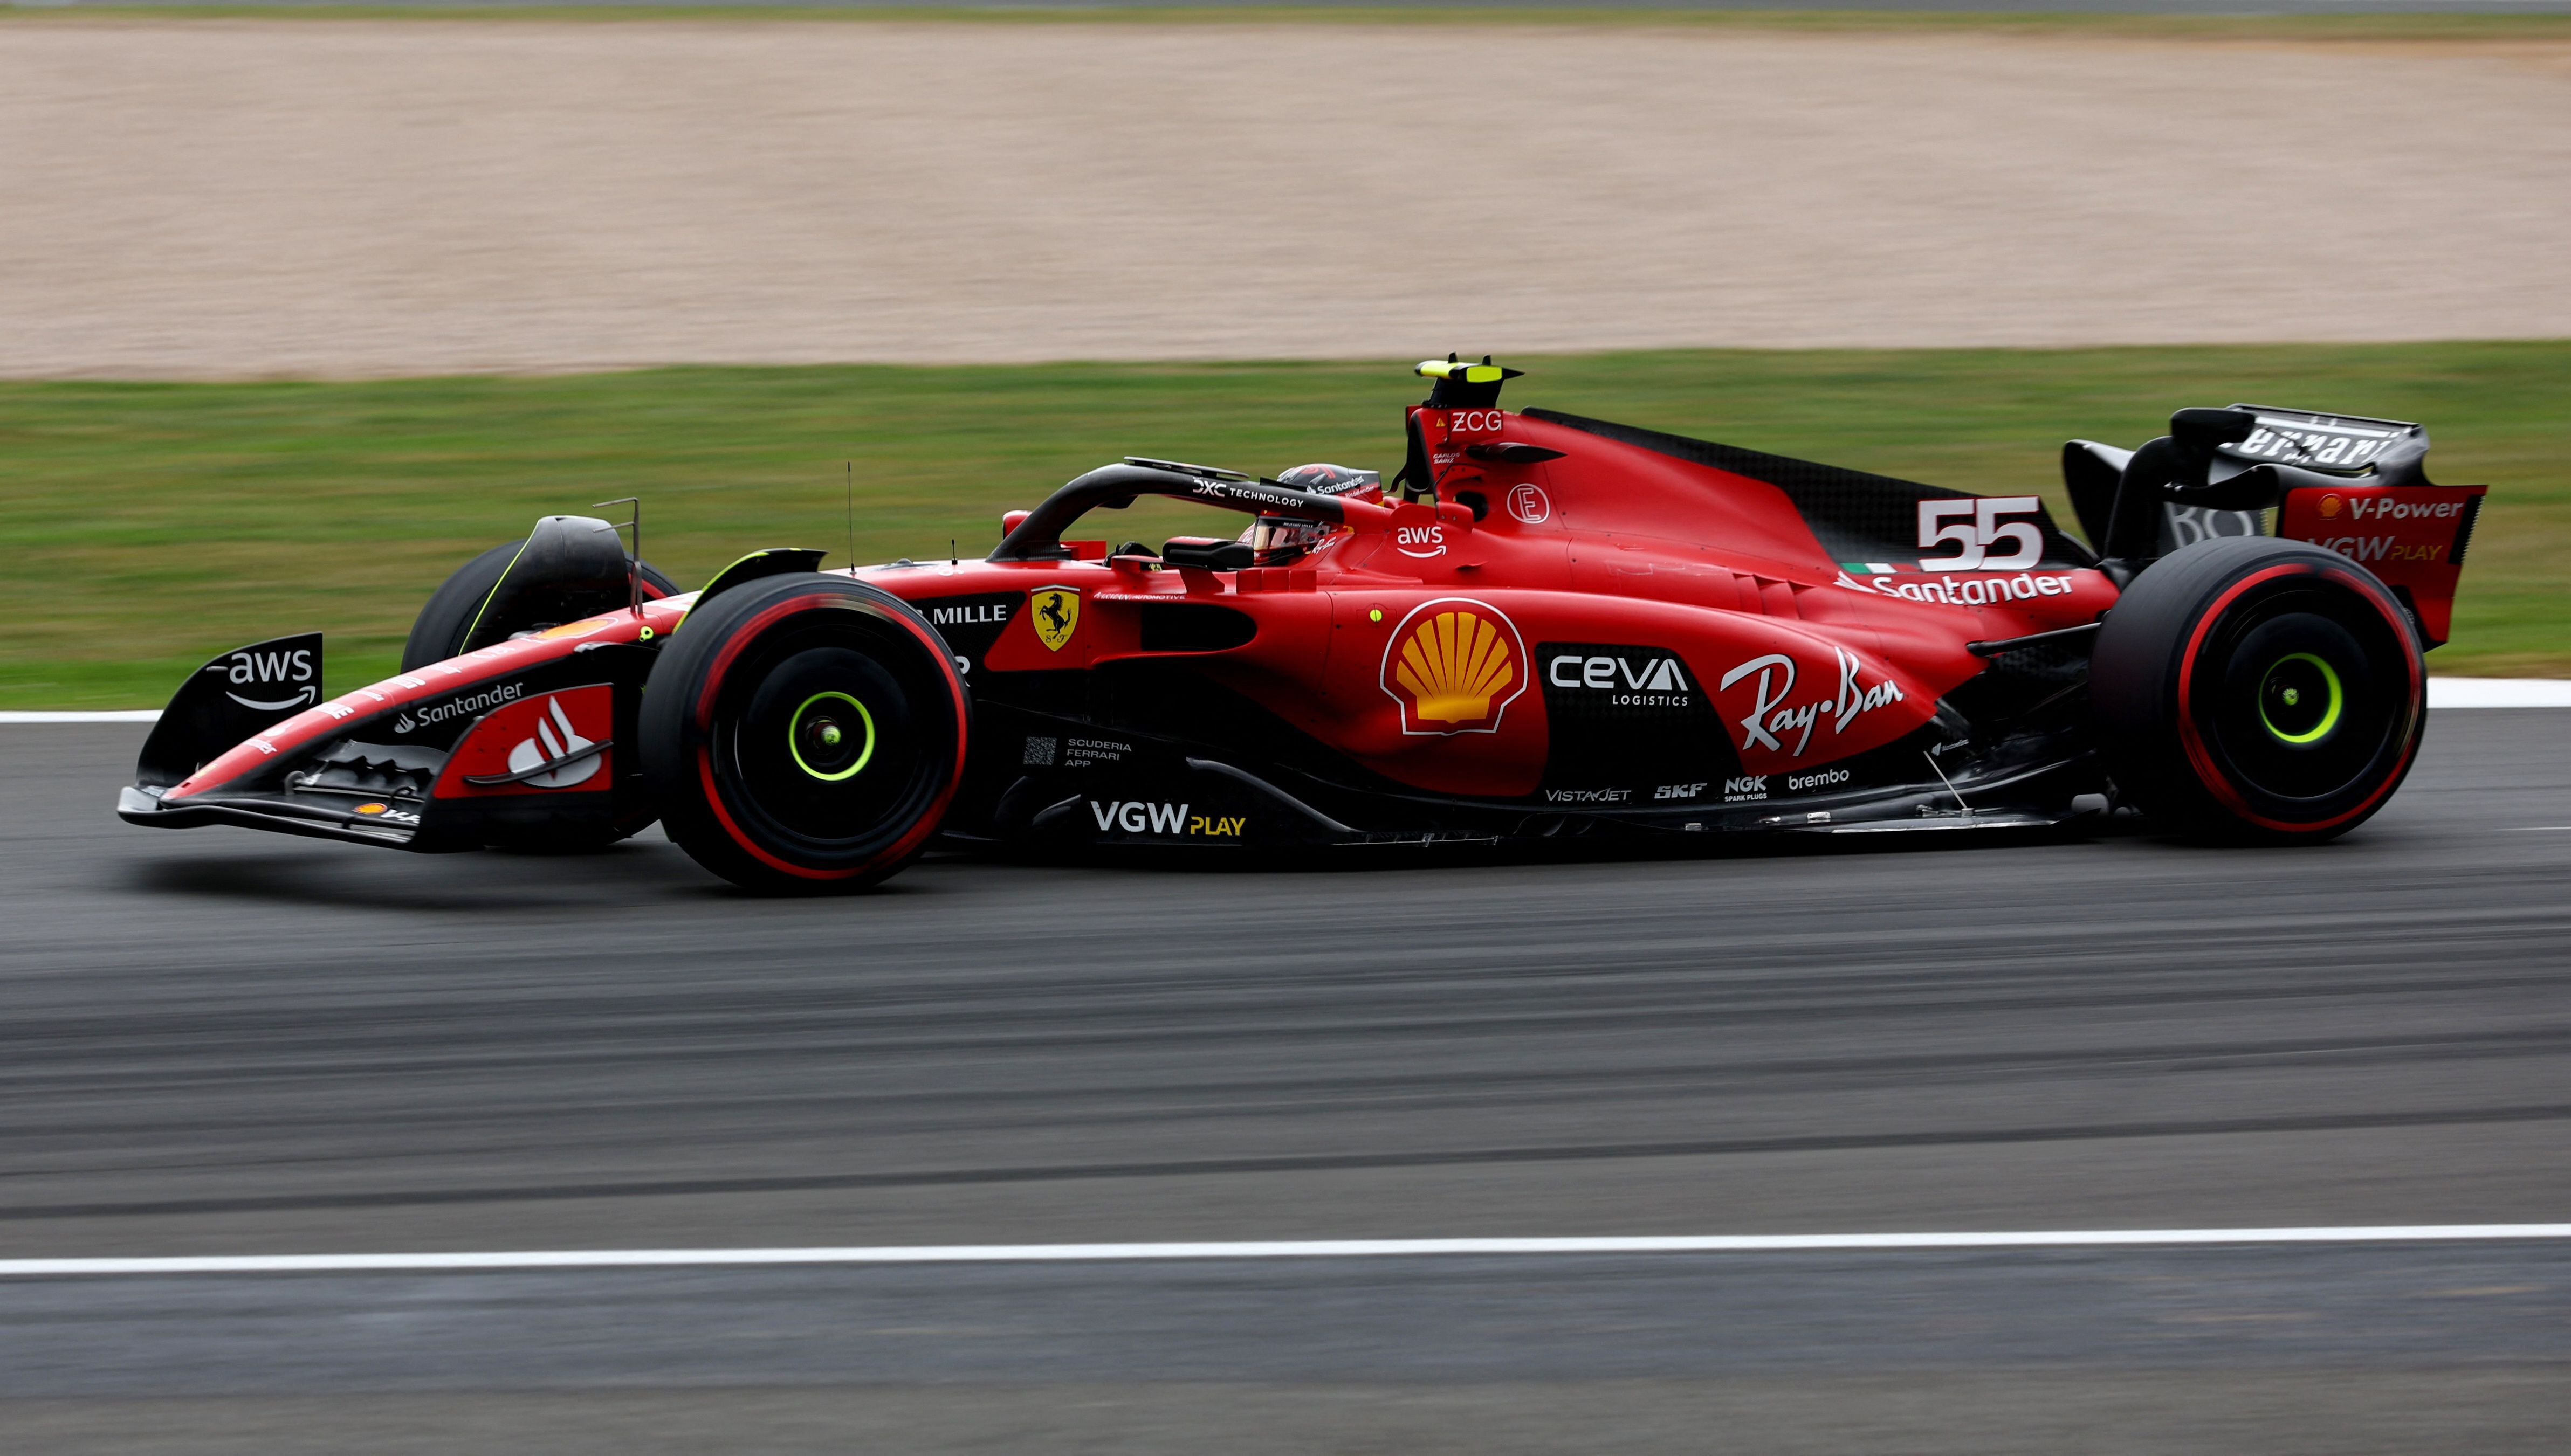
[(1454, 665)]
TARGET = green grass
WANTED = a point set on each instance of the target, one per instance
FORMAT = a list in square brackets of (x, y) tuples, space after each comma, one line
[(2364, 27), (149, 526)]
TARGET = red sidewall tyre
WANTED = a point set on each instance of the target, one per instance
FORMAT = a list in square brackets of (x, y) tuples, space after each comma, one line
[(805, 733), (2257, 689)]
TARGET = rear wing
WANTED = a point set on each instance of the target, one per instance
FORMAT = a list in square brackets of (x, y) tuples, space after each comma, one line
[(2359, 486), (2392, 451), (2353, 484)]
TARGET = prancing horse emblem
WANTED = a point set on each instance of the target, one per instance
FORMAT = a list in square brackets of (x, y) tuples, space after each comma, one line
[(1056, 615)]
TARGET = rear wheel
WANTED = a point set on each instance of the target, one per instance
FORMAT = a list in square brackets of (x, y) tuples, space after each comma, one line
[(805, 733), (2251, 688)]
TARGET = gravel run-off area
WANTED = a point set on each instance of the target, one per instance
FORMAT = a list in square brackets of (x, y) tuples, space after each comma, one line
[(283, 198)]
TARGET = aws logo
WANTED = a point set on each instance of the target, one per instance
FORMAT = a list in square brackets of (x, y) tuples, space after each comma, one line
[(1419, 540), (1454, 665), (269, 681)]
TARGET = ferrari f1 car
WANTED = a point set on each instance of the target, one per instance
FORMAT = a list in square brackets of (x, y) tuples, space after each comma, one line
[(1544, 626)]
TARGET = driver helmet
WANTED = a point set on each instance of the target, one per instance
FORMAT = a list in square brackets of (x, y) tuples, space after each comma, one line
[(1279, 539)]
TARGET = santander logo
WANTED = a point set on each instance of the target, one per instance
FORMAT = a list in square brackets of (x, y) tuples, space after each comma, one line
[(554, 738)]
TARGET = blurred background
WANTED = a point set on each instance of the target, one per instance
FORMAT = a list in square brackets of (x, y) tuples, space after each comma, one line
[(300, 306), (297, 302)]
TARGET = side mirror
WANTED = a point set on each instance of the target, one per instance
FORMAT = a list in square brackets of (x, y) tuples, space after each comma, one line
[(1207, 552)]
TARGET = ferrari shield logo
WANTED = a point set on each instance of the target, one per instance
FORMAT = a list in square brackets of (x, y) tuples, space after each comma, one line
[(1056, 615)]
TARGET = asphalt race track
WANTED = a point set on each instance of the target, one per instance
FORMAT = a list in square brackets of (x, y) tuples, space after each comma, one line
[(224, 1043)]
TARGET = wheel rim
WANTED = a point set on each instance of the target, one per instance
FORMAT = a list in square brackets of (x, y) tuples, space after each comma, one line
[(2300, 699), (2305, 709), (824, 743), (823, 751)]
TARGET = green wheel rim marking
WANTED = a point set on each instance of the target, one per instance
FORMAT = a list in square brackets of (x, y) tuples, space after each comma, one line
[(2329, 716), (795, 724)]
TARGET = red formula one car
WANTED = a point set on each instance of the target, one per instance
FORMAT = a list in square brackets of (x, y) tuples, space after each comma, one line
[(1545, 626)]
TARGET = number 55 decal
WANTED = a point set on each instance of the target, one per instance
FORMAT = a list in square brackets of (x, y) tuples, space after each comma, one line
[(1976, 537)]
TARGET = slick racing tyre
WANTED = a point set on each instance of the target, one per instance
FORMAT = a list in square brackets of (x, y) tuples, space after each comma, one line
[(442, 626), (2254, 689), (805, 733)]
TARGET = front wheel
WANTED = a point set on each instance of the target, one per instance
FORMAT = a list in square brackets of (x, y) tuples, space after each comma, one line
[(2256, 689), (805, 733)]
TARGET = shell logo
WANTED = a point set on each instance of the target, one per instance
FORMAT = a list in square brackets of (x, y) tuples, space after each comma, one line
[(2330, 507), (1454, 665)]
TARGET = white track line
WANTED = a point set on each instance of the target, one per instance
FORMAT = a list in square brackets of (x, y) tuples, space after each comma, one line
[(301, 1264), (2443, 693), (2498, 693)]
